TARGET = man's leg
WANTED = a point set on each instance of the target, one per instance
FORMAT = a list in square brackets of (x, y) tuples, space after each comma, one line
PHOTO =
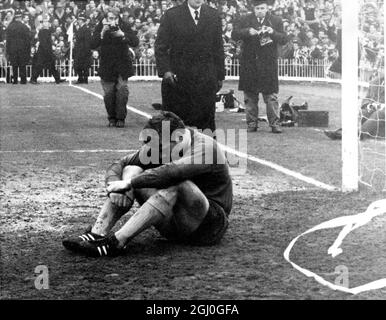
[(122, 96), (272, 111), (36, 70), (109, 99), (251, 100), (110, 213), (54, 72), (85, 75), (78, 72), (183, 207), (23, 74), (15, 68)]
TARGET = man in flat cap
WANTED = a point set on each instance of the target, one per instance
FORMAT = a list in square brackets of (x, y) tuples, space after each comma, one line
[(82, 50), (18, 47), (261, 34)]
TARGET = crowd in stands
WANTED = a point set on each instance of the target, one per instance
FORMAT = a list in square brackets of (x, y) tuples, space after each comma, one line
[(310, 24)]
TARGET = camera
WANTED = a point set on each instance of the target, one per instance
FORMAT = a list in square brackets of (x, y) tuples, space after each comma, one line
[(264, 36), (113, 28)]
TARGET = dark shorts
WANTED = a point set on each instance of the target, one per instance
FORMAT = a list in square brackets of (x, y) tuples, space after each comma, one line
[(210, 231)]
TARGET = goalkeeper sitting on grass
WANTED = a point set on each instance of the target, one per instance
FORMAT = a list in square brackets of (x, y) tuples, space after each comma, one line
[(179, 177)]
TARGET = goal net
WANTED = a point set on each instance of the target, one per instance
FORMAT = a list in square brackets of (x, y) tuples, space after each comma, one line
[(372, 143)]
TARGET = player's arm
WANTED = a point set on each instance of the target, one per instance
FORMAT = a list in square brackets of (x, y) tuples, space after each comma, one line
[(162, 177), (120, 197), (114, 171)]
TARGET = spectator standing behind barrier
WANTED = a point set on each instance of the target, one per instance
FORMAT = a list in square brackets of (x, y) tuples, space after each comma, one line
[(189, 54), (114, 37), (82, 50), (18, 47), (45, 57), (261, 33)]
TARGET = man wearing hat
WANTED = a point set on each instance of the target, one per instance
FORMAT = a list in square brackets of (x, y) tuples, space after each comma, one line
[(261, 34), (18, 47), (82, 50)]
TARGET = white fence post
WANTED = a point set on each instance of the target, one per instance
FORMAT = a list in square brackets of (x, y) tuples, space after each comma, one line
[(146, 70)]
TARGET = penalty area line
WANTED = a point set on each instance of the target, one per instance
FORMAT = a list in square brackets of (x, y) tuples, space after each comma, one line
[(266, 163)]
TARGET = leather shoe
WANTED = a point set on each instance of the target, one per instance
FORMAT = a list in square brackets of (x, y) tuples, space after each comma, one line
[(120, 123), (276, 129), (112, 123)]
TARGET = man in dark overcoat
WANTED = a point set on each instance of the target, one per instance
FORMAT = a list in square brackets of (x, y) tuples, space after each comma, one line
[(261, 34), (114, 37), (82, 50), (18, 47), (190, 58), (45, 58)]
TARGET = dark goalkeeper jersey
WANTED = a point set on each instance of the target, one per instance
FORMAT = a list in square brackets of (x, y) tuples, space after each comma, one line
[(203, 163)]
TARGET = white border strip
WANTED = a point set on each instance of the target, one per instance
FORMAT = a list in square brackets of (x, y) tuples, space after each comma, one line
[(269, 164), (66, 151)]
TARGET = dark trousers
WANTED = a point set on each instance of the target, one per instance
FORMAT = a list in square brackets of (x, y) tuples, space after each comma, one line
[(83, 74), (193, 105), (19, 69), (251, 100), (38, 68), (116, 95)]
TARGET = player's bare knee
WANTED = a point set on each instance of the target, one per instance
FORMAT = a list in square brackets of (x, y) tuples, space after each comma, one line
[(131, 171), (164, 201), (186, 186), (169, 194), (192, 197)]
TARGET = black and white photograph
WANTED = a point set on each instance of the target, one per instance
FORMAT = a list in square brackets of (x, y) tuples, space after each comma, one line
[(202, 151)]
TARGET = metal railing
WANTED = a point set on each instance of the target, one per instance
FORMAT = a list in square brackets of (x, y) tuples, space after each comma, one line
[(289, 69)]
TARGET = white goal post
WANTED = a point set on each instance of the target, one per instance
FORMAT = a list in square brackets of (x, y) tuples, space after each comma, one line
[(350, 96)]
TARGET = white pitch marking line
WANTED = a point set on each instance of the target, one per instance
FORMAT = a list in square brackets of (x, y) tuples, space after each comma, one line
[(269, 164), (66, 151), (349, 223), (144, 114), (38, 107)]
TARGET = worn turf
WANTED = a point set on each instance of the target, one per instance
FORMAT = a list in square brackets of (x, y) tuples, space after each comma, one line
[(48, 196)]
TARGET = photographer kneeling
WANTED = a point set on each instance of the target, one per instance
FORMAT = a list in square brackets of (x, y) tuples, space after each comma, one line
[(114, 37)]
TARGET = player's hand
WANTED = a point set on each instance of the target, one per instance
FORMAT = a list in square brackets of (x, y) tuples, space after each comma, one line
[(120, 200), (170, 78), (119, 186)]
